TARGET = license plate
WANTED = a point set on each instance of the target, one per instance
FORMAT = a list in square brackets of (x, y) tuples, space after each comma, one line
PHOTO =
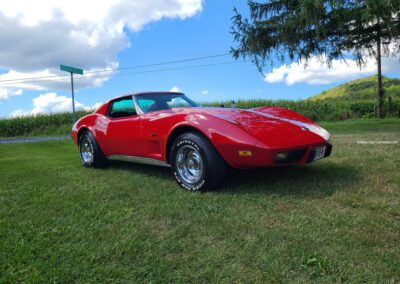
[(319, 152)]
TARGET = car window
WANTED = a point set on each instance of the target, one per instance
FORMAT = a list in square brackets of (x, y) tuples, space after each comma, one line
[(163, 101), (122, 107), (145, 104), (178, 102)]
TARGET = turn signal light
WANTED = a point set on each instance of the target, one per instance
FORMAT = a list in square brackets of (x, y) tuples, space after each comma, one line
[(245, 153)]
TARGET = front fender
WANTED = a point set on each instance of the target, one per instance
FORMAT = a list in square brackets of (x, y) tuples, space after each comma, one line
[(227, 137)]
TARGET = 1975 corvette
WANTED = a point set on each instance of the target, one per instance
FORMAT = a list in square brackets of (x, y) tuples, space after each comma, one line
[(198, 143)]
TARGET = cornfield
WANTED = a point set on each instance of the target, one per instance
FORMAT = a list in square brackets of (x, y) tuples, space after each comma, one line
[(41, 124), (320, 110), (60, 123)]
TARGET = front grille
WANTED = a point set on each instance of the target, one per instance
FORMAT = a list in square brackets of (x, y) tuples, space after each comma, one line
[(293, 157)]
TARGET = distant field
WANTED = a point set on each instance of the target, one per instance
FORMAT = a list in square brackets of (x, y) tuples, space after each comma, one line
[(60, 123), (336, 220), (361, 89)]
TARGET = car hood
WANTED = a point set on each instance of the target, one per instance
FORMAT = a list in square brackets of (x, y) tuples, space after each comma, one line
[(274, 127)]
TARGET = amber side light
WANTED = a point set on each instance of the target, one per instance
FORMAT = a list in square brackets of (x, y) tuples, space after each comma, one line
[(245, 153)]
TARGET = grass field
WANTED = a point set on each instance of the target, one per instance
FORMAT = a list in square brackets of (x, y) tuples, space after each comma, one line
[(335, 220)]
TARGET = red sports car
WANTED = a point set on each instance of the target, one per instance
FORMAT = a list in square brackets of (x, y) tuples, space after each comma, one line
[(198, 143)]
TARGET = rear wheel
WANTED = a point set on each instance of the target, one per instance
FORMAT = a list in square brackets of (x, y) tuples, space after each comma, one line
[(90, 152), (195, 163)]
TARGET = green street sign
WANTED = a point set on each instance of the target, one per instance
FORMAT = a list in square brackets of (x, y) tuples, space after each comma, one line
[(71, 69)]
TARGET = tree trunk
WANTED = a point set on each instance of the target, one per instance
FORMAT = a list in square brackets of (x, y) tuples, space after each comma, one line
[(379, 63)]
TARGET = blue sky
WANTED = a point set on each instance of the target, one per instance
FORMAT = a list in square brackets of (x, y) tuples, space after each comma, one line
[(203, 32)]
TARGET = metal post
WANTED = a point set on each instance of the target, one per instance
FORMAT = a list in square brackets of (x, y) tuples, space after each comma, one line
[(72, 70), (73, 99)]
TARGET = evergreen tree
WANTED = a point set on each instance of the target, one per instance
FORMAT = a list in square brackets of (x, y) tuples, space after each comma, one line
[(332, 29)]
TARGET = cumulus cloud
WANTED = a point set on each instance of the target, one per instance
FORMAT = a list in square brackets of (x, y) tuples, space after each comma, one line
[(175, 89), (47, 80), (36, 36), (204, 93), (5, 94), (52, 103), (315, 71)]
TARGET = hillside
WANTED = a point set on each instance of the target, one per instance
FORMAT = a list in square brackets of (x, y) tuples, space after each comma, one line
[(361, 89)]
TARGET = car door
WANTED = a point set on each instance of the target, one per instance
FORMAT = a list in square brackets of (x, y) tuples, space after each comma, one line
[(123, 133)]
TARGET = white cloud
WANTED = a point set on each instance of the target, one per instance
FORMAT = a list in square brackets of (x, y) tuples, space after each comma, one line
[(204, 93), (6, 93), (48, 80), (317, 72), (277, 74), (175, 89), (52, 103), (37, 36), (133, 13), (19, 112)]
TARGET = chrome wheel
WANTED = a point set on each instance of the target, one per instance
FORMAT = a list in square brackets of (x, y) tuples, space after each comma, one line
[(189, 164), (87, 152)]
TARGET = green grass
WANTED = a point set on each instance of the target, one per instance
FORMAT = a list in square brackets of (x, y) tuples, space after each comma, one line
[(374, 125), (334, 220)]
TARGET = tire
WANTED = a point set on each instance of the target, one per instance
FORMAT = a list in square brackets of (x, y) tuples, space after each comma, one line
[(90, 152), (196, 165)]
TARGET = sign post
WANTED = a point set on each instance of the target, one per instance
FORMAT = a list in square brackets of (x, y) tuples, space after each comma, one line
[(71, 71)]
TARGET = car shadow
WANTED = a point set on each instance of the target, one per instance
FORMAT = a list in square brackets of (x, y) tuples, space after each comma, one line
[(150, 170), (309, 180)]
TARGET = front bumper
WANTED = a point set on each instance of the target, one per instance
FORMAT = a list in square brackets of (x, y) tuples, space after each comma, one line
[(328, 151), (268, 157)]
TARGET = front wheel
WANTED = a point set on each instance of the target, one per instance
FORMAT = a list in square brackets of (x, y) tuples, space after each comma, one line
[(195, 163), (90, 152)]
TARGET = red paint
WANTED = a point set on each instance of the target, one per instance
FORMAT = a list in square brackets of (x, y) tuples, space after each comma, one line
[(264, 131)]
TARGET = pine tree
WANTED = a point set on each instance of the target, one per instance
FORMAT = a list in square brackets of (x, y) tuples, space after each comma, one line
[(332, 29)]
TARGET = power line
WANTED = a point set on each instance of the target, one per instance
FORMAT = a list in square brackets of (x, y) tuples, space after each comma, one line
[(28, 79), (161, 63), (136, 73), (168, 69)]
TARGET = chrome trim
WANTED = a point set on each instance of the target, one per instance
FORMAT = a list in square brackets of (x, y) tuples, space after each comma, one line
[(139, 160), (87, 152), (189, 164), (137, 107)]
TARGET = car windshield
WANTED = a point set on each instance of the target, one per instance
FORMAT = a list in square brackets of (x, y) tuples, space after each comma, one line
[(162, 101)]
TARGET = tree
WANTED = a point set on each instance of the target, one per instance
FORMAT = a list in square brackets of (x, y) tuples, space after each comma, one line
[(330, 29)]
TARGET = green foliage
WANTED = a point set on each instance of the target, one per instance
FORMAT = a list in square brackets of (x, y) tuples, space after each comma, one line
[(281, 29), (41, 124), (278, 30), (361, 89), (332, 221), (317, 110)]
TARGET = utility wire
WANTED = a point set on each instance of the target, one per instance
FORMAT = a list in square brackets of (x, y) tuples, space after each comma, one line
[(22, 80), (130, 73), (169, 69)]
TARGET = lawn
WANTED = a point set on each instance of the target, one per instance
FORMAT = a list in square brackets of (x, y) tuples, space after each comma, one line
[(335, 220)]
